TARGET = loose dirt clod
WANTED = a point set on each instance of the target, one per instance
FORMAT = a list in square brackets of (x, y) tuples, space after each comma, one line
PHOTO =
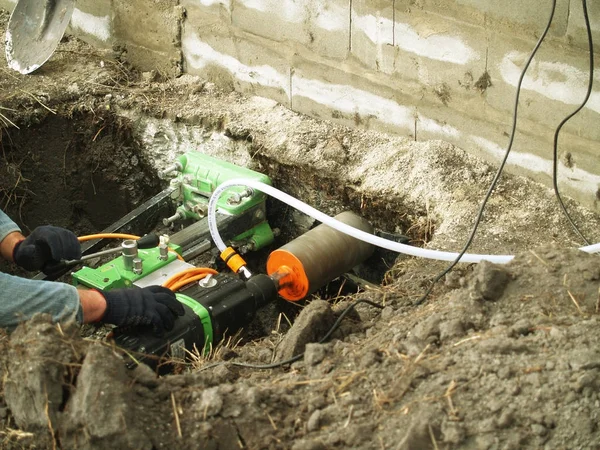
[(310, 326)]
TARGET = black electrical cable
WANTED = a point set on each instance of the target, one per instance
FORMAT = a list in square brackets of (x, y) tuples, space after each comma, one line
[(569, 117), (293, 359), (501, 168)]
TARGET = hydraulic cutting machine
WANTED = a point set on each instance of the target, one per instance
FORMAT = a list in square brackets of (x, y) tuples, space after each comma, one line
[(217, 304)]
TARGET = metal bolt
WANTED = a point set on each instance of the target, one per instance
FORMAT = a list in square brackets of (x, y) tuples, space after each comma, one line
[(175, 167), (169, 220), (234, 199), (208, 281), (130, 252), (163, 247), (200, 209), (138, 266)]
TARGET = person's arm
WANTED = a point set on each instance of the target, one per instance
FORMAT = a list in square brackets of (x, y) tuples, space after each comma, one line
[(10, 235), (93, 305), (21, 299)]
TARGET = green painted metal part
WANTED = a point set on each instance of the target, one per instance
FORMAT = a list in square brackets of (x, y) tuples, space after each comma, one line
[(257, 237), (200, 175), (204, 316), (113, 274)]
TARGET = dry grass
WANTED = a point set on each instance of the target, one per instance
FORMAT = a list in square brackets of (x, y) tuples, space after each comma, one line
[(5, 122), (198, 358)]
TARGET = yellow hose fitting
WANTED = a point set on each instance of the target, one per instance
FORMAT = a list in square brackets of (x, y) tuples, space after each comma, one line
[(234, 261)]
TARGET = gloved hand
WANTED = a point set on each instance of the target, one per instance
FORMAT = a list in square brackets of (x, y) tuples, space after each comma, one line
[(152, 305), (46, 244)]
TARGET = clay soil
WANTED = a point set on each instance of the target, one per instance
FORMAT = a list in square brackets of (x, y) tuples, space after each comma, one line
[(498, 357)]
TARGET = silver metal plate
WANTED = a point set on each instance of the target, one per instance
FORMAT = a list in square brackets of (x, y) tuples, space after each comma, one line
[(158, 277)]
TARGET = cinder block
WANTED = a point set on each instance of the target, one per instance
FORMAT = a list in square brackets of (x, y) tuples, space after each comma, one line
[(233, 63), (577, 32), (352, 99), (92, 22), (151, 32), (322, 27), (372, 33), (448, 64), (554, 86), (328, 28), (526, 19), (208, 13), (7, 5), (364, 102)]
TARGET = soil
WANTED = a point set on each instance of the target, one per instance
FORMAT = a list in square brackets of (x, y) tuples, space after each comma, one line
[(497, 357)]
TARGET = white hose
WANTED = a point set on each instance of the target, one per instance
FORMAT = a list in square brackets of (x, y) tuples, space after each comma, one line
[(346, 229)]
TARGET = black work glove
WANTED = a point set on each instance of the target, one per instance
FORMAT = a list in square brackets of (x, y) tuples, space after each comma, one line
[(46, 244), (152, 305)]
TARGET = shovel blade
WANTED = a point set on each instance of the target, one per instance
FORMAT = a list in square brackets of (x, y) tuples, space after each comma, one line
[(34, 30)]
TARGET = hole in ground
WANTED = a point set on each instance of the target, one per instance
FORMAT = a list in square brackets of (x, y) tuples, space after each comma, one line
[(81, 173), (86, 172)]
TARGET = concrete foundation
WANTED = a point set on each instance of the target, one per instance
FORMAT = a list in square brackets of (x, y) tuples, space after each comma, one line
[(429, 69)]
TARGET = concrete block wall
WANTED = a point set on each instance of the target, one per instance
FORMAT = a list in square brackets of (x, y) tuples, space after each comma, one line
[(427, 69)]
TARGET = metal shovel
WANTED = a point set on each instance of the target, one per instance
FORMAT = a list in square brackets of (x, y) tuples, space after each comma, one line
[(34, 30)]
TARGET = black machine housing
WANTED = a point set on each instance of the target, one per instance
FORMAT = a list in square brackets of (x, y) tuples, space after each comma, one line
[(231, 304)]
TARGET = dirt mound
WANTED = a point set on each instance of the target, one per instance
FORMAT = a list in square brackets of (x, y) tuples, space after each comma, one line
[(509, 359)]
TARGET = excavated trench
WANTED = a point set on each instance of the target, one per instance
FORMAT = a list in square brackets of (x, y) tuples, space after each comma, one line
[(87, 171), (82, 173)]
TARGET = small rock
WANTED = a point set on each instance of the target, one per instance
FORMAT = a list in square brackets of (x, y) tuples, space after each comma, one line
[(489, 281), (334, 151), (314, 354), (585, 359), (495, 405), (451, 329), (506, 418), (149, 76), (387, 313), (308, 445), (310, 326), (314, 421), (538, 429), (211, 402), (556, 334), (413, 346), (487, 425), (429, 327), (145, 376), (452, 280), (453, 433), (370, 359), (588, 379), (505, 372), (504, 346), (520, 328)]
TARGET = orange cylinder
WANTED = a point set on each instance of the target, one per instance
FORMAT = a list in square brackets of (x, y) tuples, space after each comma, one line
[(320, 255)]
